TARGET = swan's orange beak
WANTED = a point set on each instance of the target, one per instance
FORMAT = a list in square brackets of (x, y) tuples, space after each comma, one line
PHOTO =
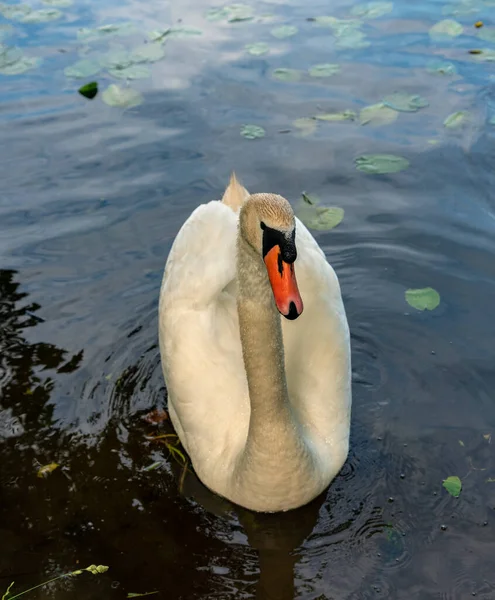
[(284, 285)]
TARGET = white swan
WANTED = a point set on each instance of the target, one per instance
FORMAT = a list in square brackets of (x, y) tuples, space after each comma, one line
[(260, 403)]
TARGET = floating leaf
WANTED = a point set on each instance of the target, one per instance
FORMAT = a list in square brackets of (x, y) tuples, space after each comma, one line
[(485, 55), (447, 27), (487, 34), (153, 466), (15, 12), (423, 299), (291, 75), (42, 16), (82, 69), (351, 39), (47, 469), (305, 125), (456, 119), (218, 13), (251, 132), (345, 115), (374, 164), (488, 437), (257, 49), (324, 218), (324, 70), (310, 199), (490, 480), (179, 32), (372, 10), (60, 3), (461, 443), (403, 102), (453, 485), (325, 21), (158, 35), (136, 595), (436, 67), (116, 59), (89, 90), (239, 12), (105, 31), (377, 114), (121, 97), (147, 53), (132, 72), (12, 62), (284, 31)]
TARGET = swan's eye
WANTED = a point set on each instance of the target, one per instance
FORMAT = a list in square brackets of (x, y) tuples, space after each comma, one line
[(262, 225)]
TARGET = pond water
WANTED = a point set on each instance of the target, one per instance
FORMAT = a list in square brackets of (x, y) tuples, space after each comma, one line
[(92, 195)]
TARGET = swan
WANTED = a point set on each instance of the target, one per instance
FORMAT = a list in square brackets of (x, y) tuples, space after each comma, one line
[(259, 386)]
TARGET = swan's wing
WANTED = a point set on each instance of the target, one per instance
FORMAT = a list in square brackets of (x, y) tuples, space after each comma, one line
[(200, 343), (317, 352)]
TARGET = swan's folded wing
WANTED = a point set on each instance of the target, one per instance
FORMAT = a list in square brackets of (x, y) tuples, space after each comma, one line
[(202, 261)]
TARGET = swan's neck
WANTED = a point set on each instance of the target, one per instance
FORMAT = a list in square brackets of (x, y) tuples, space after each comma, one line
[(262, 344)]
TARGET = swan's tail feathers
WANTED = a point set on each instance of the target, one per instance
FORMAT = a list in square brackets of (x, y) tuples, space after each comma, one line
[(235, 194)]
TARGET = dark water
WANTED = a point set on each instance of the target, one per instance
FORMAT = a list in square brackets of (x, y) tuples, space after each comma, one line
[(91, 199)]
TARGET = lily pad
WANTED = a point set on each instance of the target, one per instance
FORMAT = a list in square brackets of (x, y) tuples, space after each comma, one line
[(89, 90), (485, 55), (105, 31), (252, 132), (291, 75), (13, 61), (15, 12), (126, 97), (351, 39), (42, 16), (59, 3), (423, 299), (377, 114), (305, 126), (372, 10), (82, 69), (324, 70), (147, 53), (453, 485), (446, 28), (456, 119), (180, 32), (324, 218), (116, 59), (239, 12), (378, 164), (217, 13), (325, 21), (284, 31), (5, 30), (487, 34), (47, 469), (132, 72), (345, 115), (403, 102), (436, 67), (257, 49)]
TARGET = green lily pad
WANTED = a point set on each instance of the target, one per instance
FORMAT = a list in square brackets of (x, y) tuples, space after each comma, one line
[(126, 97), (436, 67), (291, 75), (305, 126), (324, 218), (147, 53), (132, 72), (345, 115), (485, 55), (324, 70), (42, 16), (351, 39), (116, 59), (423, 299), (180, 32), (82, 69), (403, 102), (378, 164), (15, 12), (218, 13), (89, 90), (372, 10), (25, 63), (446, 28), (456, 119), (310, 199), (252, 132), (325, 21), (487, 34), (377, 114), (239, 12), (105, 31), (59, 3), (453, 485), (257, 49), (284, 31)]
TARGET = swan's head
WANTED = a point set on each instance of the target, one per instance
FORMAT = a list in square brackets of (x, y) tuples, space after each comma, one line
[(268, 224)]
